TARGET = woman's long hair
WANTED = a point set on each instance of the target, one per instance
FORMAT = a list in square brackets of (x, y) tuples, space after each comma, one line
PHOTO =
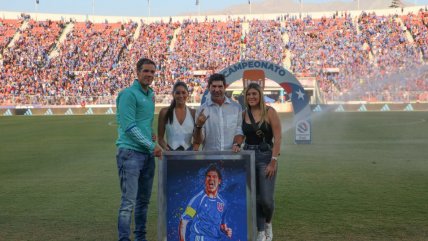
[(170, 111), (262, 104)]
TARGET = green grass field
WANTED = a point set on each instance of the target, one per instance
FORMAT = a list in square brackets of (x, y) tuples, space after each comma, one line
[(365, 177)]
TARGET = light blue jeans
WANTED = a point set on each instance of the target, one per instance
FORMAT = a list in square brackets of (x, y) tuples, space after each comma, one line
[(136, 172)]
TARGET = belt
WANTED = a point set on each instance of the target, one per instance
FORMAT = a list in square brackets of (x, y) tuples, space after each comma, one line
[(262, 148), (251, 147)]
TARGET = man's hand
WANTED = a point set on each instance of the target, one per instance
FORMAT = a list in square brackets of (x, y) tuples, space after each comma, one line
[(197, 131), (157, 152), (236, 147), (201, 119), (226, 230)]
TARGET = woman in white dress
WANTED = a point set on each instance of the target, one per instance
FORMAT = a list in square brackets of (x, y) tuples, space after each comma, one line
[(177, 121)]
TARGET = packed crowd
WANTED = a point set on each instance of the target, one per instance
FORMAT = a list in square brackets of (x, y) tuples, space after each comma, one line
[(87, 55), (153, 42), (264, 41), (358, 60), (417, 24), (373, 58), (8, 28), (23, 71)]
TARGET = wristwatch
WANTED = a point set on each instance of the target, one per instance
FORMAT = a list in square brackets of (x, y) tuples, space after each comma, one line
[(237, 144)]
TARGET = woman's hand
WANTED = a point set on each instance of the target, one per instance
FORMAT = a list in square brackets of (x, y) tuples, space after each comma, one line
[(271, 169)]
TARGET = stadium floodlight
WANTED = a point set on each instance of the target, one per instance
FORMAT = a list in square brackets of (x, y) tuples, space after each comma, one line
[(37, 6), (396, 4), (148, 6), (199, 7), (249, 3)]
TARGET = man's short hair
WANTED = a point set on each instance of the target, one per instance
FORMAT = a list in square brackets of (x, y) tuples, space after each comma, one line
[(216, 77), (214, 168), (143, 61)]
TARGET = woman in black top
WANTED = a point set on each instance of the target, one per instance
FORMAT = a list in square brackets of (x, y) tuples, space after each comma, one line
[(264, 137)]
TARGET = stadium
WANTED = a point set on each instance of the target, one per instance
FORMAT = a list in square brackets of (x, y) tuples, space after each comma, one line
[(362, 178)]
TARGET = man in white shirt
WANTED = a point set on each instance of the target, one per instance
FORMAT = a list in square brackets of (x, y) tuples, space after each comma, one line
[(218, 125)]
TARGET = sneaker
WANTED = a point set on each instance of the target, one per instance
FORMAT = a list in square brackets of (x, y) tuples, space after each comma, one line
[(268, 229), (261, 236)]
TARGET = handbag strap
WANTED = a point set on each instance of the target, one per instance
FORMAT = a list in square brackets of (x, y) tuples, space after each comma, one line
[(259, 132)]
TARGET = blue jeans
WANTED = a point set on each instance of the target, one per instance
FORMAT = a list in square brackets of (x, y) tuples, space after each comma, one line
[(136, 172), (265, 188)]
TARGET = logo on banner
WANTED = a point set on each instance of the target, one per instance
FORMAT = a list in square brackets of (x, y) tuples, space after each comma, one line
[(303, 127), (254, 76), (303, 131)]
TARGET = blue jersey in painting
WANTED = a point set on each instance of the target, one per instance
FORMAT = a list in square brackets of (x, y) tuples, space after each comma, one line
[(206, 215)]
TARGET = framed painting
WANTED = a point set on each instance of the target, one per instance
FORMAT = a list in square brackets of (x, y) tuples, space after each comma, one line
[(207, 196)]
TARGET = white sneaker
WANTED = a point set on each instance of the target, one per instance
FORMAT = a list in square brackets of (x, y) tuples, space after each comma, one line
[(261, 236), (268, 229)]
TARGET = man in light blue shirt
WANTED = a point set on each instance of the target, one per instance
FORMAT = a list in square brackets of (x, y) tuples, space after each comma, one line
[(136, 149), (218, 125)]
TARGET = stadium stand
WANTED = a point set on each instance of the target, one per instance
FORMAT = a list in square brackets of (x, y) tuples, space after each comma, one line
[(264, 41), (369, 56), (8, 28)]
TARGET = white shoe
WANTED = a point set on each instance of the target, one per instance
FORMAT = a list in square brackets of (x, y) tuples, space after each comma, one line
[(268, 229), (261, 236)]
